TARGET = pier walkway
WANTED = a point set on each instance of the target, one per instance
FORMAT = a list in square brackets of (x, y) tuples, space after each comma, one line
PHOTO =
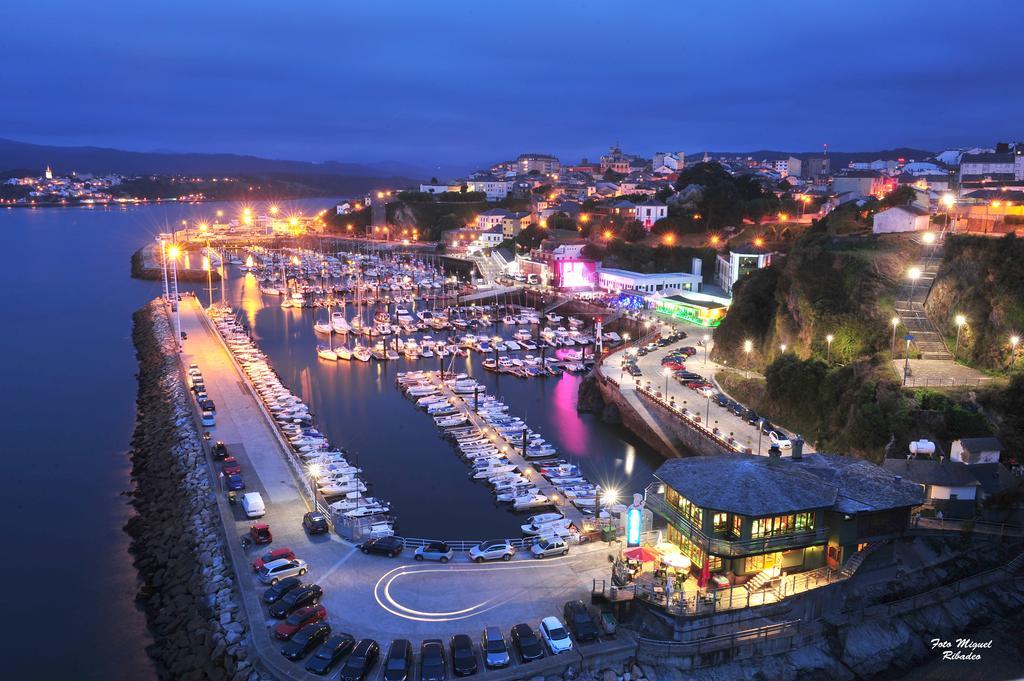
[(509, 450)]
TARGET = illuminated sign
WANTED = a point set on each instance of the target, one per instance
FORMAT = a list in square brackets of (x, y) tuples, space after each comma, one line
[(692, 312), (575, 273), (634, 523)]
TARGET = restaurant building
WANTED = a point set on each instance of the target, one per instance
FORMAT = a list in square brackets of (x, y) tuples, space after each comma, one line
[(738, 516)]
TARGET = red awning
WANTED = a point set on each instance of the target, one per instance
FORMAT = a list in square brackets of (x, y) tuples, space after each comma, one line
[(642, 554)]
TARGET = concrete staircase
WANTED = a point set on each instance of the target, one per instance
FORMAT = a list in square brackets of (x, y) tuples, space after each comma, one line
[(758, 581), (909, 305), (856, 559)]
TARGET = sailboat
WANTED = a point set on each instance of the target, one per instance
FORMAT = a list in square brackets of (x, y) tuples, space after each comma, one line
[(339, 324)]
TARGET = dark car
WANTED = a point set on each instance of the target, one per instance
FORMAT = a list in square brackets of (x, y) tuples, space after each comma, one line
[(278, 591), (737, 409), (722, 401), (361, 661), (398, 664), (579, 620), (766, 426), (463, 657), (433, 663), (385, 546), (315, 522), (311, 614), (307, 594), (329, 653), (688, 376), (526, 641), (305, 639), (207, 405), (220, 450), (751, 417), (234, 482), (688, 351)]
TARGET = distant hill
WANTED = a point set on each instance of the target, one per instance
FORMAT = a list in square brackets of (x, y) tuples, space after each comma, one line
[(839, 158), (98, 160)]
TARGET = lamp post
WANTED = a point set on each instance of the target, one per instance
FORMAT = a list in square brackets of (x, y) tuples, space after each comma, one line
[(828, 340), (163, 258), (895, 323), (174, 251), (782, 348), (208, 266), (314, 475), (707, 415), (666, 372), (748, 347), (906, 361), (948, 200), (960, 321), (607, 497), (1014, 340), (760, 431), (914, 273)]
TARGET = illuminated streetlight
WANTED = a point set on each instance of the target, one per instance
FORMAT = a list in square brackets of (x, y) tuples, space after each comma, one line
[(960, 321), (895, 324), (314, 475), (782, 348), (914, 273), (748, 347), (1014, 340), (174, 252), (828, 340), (928, 238), (666, 372)]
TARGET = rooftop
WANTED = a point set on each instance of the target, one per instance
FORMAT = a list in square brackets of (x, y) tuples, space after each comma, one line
[(976, 445), (932, 472), (761, 486)]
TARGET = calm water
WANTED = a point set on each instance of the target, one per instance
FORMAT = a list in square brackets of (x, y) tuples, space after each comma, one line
[(69, 410), (404, 459)]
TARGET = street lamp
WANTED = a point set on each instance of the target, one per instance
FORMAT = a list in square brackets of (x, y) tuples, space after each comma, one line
[(314, 475), (895, 323), (608, 497), (906, 361), (782, 348), (914, 273), (948, 200), (828, 340), (174, 252), (666, 372), (748, 347), (1014, 340), (960, 321)]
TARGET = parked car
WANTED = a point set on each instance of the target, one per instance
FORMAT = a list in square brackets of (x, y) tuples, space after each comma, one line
[(494, 649), (688, 376), (305, 639), (234, 482), (299, 597), (675, 366), (361, 661), (689, 351), (580, 621), (766, 426), (492, 550), (220, 450), (463, 656), (549, 546), (278, 591), (737, 409), (555, 635), (260, 533), (781, 439), (283, 553), (298, 619), (330, 653), (435, 550), (230, 466), (207, 405), (526, 641), (274, 571), (252, 504), (385, 546), (398, 664), (722, 401), (751, 417), (433, 661), (315, 522), (208, 420)]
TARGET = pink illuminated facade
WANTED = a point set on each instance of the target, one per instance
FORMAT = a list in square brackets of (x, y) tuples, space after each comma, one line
[(575, 273)]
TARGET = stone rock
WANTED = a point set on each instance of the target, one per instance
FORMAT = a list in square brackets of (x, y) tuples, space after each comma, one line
[(608, 675)]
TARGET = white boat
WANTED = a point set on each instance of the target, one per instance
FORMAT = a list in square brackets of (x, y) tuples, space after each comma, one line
[(343, 353), (339, 324), (530, 501), (362, 353), (323, 326), (324, 352), (535, 529)]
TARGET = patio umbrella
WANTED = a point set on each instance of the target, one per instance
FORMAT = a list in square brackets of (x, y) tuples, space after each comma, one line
[(642, 554), (705, 575), (677, 560)]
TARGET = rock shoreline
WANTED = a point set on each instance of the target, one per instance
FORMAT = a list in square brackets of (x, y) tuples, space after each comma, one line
[(188, 589)]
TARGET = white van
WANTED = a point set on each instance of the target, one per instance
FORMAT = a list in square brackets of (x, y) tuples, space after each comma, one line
[(252, 504)]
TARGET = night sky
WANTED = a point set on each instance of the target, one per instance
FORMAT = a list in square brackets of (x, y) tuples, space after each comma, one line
[(466, 83)]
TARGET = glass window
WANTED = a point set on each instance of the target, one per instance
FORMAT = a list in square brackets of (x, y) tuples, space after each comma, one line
[(721, 521), (737, 526)]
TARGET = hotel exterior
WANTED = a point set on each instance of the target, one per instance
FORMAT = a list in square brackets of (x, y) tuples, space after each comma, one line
[(743, 515)]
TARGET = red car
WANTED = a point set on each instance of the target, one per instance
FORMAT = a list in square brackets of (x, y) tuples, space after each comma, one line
[(676, 366), (230, 466), (298, 619), (276, 554), (260, 533)]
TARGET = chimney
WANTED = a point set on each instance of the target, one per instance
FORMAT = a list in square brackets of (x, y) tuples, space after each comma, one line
[(798, 448)]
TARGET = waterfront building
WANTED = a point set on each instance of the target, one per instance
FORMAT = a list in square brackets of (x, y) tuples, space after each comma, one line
[(741, 261), (615, 280), (696, 308), (742, 515)]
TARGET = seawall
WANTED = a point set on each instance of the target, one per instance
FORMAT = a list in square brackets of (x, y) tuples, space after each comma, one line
[(188, 593)]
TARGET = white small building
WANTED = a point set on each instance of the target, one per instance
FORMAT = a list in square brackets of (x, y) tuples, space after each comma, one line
[(972, 450), (489, 219), (901, 219), (610, 279), (495, 188), (439, 188), (485, 240), (649, 212), (742, 261)]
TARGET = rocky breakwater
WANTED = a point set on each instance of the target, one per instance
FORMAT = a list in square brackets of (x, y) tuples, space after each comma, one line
[(188, 592)]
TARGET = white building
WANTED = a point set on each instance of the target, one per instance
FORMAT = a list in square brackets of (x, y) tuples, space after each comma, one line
[(611, 279), (972, 450), (742, 261), (649, 212), (486, 240), (439, 188), (495, 188), (668, 161), (489, 219), (901, 219)]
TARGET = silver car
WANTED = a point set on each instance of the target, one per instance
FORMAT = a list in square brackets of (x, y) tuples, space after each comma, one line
[(549, 546), (435, 550), (492, 550), (276, 570)]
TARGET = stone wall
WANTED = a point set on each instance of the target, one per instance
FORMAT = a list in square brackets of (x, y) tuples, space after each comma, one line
[(188, 592)]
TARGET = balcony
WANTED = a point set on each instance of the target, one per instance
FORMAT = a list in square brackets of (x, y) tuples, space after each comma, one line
[(724, 547)]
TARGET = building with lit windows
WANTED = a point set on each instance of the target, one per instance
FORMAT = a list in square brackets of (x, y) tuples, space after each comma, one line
[(741, 261), (696, 308), (741, 515)]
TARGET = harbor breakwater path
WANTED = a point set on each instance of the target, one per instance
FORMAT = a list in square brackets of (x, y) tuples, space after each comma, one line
[(188, 589)]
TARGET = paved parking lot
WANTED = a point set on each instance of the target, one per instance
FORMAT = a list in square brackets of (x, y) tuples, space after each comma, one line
[(365, 595)]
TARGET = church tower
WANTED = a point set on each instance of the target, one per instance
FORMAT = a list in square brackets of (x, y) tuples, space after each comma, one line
[(49, 173)]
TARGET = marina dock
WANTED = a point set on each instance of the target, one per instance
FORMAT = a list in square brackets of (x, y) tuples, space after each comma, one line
[(512, 451)]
